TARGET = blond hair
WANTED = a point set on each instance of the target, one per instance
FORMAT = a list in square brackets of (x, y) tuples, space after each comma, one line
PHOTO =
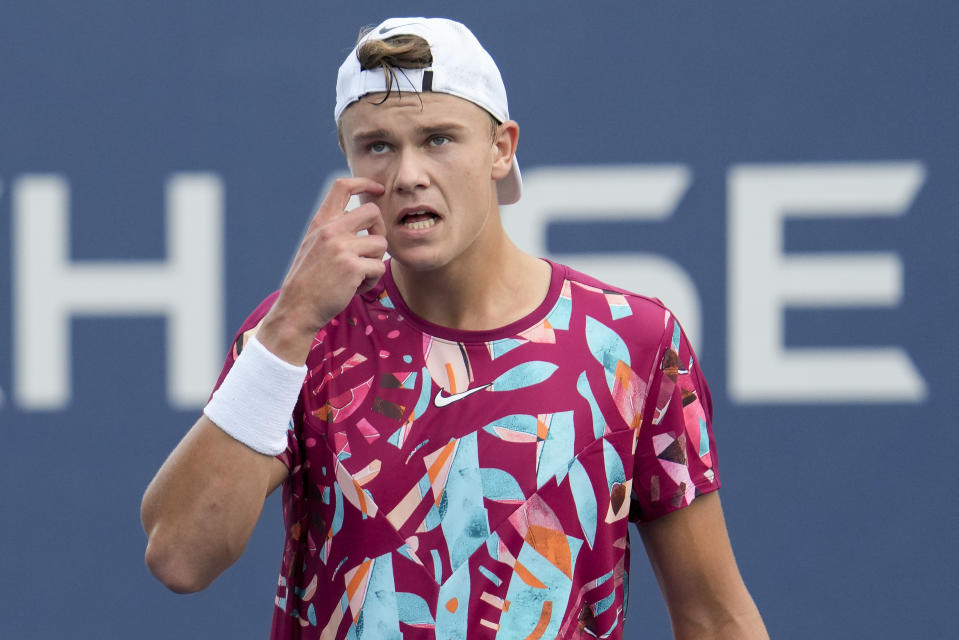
[(393, 54)]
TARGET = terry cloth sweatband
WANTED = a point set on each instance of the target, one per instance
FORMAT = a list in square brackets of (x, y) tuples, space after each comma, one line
[(256, 399)]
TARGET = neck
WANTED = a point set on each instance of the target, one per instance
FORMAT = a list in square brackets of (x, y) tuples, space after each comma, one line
[(491, 291)]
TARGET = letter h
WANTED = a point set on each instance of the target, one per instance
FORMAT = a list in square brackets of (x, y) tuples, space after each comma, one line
[(49, 289)]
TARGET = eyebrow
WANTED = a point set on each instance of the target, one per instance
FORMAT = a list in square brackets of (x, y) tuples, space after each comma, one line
[(366, 136), (442, 127), (424, 131)]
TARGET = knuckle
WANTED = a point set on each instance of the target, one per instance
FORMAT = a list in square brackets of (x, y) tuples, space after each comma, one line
[(325, 234), (343, 258)]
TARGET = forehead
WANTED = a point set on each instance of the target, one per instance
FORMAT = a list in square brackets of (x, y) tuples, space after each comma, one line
[(410, 109)]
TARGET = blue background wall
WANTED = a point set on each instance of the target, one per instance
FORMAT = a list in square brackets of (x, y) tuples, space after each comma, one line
[(843, 515)]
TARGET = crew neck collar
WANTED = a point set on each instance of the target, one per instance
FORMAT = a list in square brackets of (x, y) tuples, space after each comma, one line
[(557, 276)]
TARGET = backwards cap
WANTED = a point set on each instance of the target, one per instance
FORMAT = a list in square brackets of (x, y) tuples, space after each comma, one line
[(461, 67)]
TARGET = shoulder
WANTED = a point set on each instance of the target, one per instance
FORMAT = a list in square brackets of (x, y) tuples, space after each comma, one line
[(624, 305), (587, 281)]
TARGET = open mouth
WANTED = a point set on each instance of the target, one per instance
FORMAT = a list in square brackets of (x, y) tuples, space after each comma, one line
[(417, 220)]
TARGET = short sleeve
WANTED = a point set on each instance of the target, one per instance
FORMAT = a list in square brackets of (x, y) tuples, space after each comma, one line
[(246, 331), (675, 457)]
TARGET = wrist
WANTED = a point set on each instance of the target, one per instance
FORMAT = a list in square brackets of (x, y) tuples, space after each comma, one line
[(286, 338), (256, 400)]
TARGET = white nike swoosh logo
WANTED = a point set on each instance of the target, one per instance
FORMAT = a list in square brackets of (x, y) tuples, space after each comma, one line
[(441, 401)]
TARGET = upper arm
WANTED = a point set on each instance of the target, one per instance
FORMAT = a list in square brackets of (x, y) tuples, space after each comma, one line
[(693, 561), (202, 506)]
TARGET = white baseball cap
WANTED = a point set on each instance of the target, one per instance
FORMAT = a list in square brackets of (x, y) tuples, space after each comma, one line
[(461, 67)]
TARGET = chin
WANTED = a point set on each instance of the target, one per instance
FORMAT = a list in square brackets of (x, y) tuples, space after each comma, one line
[(418, 260)]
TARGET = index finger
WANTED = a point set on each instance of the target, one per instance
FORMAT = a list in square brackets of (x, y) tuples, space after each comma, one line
[(334, 204)]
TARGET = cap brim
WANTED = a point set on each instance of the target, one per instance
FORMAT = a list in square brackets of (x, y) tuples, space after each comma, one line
[(510, 188)]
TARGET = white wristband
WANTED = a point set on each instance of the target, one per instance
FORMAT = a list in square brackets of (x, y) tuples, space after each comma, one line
[(256, 399)]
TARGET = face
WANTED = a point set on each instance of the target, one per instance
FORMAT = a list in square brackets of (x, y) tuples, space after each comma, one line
[(434, 154)]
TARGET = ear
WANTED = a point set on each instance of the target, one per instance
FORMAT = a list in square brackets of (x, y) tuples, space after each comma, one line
[(504, 148)]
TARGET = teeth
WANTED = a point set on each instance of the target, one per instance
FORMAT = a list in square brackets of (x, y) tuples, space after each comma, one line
[(422, 224)]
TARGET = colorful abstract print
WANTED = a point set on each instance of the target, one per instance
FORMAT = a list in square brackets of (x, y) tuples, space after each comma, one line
[(479, 484)]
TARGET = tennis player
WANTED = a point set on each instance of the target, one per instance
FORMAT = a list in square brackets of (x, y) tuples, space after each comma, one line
[(462, 432)]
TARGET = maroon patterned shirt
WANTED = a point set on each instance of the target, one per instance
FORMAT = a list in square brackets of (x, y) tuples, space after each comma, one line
[(479, 484)]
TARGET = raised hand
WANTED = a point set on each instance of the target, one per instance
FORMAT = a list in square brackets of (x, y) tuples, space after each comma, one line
[(332, 265)]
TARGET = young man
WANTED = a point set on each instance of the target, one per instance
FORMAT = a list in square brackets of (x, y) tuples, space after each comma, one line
[(472, 427)]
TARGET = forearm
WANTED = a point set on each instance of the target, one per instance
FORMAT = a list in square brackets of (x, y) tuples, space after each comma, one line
[(741, 622), (201, 508)]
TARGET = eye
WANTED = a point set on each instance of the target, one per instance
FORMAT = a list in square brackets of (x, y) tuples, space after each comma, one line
[(378, 147), (439, 141)]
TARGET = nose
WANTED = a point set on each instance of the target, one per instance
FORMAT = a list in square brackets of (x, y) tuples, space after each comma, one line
[(411, 172)]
